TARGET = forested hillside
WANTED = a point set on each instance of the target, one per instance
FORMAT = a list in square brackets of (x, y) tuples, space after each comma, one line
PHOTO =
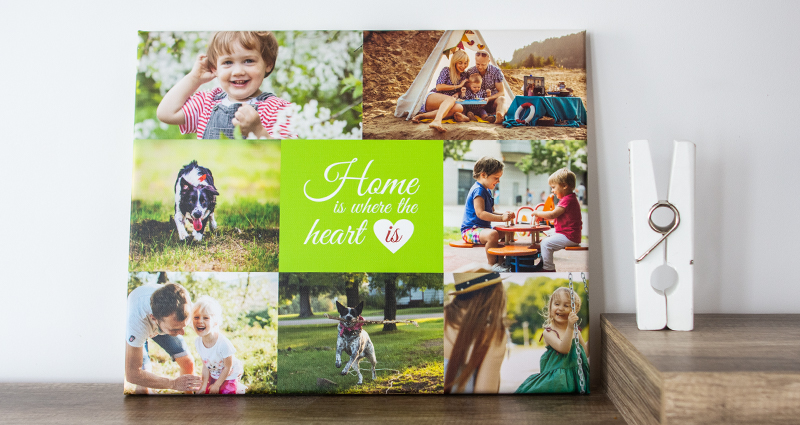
[(568, 51)]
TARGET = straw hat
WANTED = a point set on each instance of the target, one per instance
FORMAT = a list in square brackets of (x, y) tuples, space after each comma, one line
[(475, 279)]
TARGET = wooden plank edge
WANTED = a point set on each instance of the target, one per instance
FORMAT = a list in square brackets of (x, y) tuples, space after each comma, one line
[(731, 397), (633, 385)]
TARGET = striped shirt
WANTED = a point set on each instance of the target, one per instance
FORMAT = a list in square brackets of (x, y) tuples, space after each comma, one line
[(274, 113), (444, 78)]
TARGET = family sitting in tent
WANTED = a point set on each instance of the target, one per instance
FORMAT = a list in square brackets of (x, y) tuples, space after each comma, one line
[(483, 81)]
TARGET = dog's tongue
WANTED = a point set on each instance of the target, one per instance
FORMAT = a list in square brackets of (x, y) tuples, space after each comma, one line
[(198, 224)]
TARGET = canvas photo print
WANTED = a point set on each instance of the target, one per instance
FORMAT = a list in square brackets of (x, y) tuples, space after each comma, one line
[(249, 84), (284, 213), (360, 333), (516, 205), (201, 333), (464, 84), (516, 333), (205, 205)]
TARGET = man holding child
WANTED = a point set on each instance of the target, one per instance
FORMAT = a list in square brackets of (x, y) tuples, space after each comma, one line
[(499, 101), (159, 313)]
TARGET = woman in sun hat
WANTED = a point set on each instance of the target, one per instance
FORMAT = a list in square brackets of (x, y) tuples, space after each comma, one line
[(474, 332)]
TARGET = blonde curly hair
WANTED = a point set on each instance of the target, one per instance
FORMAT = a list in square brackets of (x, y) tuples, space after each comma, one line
[(563, 177), (561, 293), (458, 56)]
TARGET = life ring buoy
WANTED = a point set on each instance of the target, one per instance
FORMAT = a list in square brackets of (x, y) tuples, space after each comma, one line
[(521, 112)]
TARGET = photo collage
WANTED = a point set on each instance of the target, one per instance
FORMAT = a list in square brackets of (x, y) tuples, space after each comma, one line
[(359, 212)]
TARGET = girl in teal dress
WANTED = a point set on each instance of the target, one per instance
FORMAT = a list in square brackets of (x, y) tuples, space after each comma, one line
[(558, 366)]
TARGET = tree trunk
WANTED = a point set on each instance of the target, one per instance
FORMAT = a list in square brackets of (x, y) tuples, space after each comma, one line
[(305, 301), (351, 291), (390, 306)]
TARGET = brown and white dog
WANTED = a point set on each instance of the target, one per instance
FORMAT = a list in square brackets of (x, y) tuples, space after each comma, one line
[(353, 340)]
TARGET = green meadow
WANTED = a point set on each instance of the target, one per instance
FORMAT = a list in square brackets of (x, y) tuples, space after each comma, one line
[(247, 175), (248, 320), (255, 347), (451, 234), (410, 360)]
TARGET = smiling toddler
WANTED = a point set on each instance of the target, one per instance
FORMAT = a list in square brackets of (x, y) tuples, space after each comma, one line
[(222, 371), (240, 60), (559, 368), (567, 217), (475, 92)]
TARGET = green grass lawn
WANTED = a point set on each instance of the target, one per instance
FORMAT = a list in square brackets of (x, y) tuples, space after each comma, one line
[(255, 347), (365, 313), (247, 176), (413, 357), (247, 169), (244, 214), (246, 239), (451, 234)]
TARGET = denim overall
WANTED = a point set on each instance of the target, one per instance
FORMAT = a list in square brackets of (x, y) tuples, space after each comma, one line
[(221, 116)]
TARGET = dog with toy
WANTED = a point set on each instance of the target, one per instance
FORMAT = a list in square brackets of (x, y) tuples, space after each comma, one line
[(195, 200), (353, 340)]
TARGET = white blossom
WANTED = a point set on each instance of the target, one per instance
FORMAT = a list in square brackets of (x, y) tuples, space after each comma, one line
[(309, 64)]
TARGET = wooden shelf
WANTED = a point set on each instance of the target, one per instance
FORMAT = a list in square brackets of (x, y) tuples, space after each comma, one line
[(104, 403), (730, 369)]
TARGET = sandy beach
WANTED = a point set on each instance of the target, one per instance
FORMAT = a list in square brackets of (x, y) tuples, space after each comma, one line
[(391, 62)]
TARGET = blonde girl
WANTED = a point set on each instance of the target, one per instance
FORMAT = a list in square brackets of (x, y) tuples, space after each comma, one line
[(222, 371), (559, 364)]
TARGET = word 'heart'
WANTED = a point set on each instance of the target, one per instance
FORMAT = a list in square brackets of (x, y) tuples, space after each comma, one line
[(393, 235)]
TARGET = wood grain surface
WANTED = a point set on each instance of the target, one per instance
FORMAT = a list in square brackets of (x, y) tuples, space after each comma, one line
[(731, 369), (104, 403), (632, 383)]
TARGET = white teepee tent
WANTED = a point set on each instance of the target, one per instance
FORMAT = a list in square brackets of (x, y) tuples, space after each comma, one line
[(470, 41)]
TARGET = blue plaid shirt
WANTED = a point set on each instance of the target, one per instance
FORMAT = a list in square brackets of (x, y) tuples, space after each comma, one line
[(493, 75), (444, 78), (469, 95)]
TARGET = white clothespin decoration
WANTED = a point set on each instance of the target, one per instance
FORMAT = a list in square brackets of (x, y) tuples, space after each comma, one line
[(672, 245)]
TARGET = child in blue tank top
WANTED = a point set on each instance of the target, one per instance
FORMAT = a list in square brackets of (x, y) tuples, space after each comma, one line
[(479, 209)]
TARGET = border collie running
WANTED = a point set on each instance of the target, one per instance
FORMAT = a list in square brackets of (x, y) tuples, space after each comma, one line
[(195, 200)]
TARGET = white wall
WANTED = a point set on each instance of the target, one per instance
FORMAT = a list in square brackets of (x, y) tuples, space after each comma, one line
[(450, 181), (720, 73)]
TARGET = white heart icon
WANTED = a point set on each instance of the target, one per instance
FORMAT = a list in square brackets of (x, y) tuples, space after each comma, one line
[(393, 235)]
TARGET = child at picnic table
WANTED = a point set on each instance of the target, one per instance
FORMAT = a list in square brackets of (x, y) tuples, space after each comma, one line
[(240, 61), (567, 217), (222, 371), (479, 209), (558, 366)]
